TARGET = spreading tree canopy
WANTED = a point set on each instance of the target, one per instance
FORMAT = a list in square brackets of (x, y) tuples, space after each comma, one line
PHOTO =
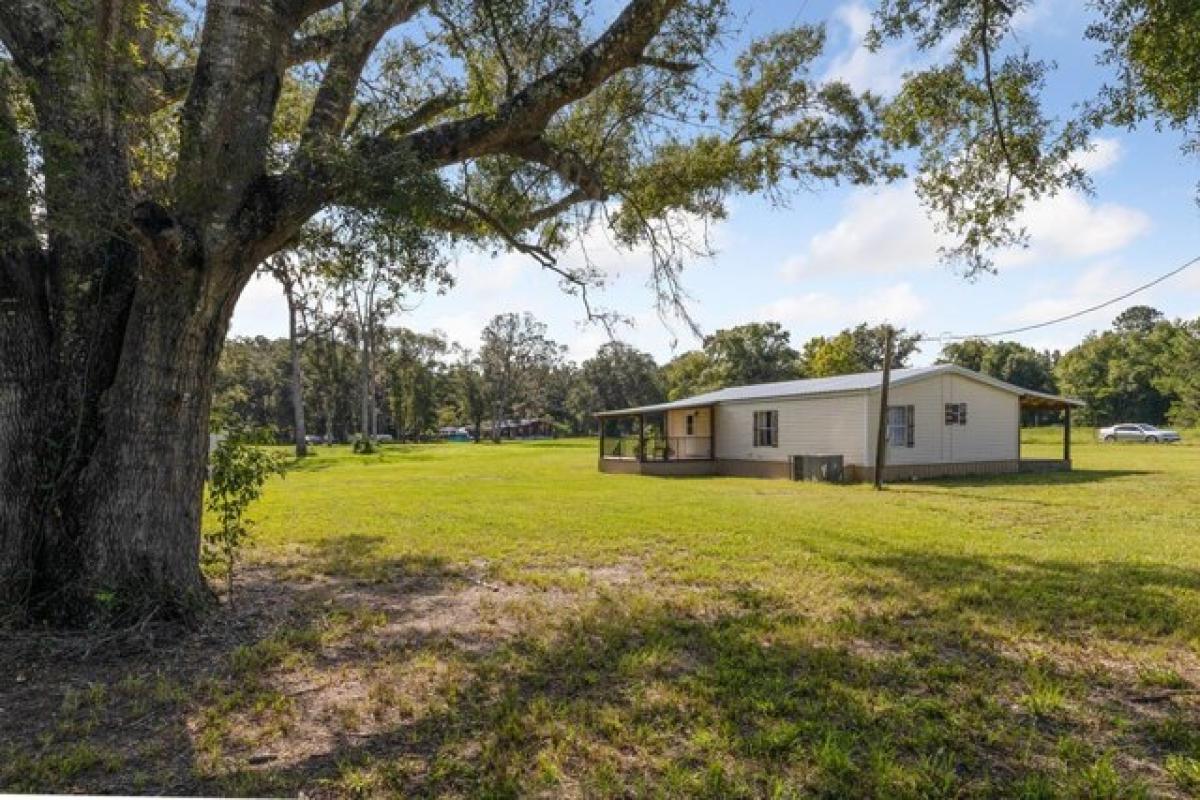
[(155, 153), (988, 143)]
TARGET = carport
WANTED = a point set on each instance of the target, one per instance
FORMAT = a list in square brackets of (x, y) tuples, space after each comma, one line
[(1039, 401)]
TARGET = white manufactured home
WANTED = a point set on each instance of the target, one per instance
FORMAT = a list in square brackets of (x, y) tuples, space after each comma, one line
[(941, 421)]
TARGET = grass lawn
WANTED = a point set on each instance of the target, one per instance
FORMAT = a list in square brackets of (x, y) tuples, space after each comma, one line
[(465, 621)]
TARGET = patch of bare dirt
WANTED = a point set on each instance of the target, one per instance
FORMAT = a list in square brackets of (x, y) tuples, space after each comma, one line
[(299, 667)]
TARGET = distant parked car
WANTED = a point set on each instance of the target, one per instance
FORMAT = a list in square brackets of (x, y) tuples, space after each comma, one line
[(384, 438), (1137, 432)]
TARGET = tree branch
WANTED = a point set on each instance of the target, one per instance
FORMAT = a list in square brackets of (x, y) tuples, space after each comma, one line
[(539, 254), (423, 113), (678, 67), (524, 116), (162, 86), (997, 118), (530, 220), (336, 95), (27, 29), (315, 46), (510, 74), (514, 127), (226, 120), (567, 165), (544, 258)]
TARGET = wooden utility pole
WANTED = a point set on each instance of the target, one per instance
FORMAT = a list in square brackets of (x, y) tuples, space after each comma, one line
[(881, 435)]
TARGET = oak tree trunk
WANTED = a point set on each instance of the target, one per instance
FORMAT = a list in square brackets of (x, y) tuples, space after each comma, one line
[(103, 447)]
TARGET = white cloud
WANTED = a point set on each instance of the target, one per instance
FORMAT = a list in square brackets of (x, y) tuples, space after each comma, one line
[(1102, 155), (1094, 285), (1069, 226), (883, 231), (881, 71), (480, 273), (462, 328), (887, 231), (899, 304)]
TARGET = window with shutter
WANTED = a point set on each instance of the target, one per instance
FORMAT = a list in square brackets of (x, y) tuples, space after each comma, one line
[(956, 413), (766, 428)]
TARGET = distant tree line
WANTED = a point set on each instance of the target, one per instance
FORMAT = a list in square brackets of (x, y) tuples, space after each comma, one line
[(1144, 368)]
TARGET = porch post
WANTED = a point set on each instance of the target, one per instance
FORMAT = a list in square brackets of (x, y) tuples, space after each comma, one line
[(1067, 434), (712, 433), (641, 437), (601, 436)]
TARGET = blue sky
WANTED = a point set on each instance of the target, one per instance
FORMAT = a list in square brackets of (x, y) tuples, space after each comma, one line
[(836, 257)]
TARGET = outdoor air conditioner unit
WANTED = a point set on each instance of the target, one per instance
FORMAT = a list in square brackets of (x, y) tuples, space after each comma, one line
[(818, 468)]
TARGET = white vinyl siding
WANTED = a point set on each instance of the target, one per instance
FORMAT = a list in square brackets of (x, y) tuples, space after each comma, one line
[(833, 425), (701, 422), (989, 435), (696, 444)]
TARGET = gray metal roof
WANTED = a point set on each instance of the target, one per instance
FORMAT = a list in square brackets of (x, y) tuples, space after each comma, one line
[(839, 384)]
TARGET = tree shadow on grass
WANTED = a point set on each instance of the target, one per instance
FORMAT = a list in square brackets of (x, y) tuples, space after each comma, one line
[(118, 713), (1065, 599), (731, 696), (1068, 478), (323, 459), (360, 556), (412, 680)]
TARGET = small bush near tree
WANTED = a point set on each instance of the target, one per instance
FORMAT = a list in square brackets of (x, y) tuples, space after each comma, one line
[(238, 470)]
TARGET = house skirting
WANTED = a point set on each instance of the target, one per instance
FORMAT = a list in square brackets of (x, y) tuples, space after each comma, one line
[(736, 468), (1037, 465), (631, 466), (745, 468), (916, 472), (739, 468)]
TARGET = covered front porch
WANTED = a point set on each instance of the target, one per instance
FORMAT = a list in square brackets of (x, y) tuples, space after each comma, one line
[(1037, 402), (669, 441)]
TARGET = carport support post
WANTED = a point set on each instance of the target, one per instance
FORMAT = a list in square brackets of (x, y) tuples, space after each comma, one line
[(881, 434), (1067, 434)]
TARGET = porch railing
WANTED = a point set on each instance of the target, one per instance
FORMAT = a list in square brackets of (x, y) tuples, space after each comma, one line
[(659, 448)]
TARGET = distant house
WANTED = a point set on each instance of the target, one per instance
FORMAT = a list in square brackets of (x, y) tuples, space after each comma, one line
[(452, 434), (521, 429), (941, 420)]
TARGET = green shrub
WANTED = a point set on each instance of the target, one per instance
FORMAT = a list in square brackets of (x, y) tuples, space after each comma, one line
[(237, 473)]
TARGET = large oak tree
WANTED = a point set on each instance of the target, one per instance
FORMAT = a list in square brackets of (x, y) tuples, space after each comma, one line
[(154, 154)]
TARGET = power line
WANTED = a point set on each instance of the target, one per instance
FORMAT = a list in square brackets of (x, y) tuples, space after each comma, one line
[(960, 337)]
